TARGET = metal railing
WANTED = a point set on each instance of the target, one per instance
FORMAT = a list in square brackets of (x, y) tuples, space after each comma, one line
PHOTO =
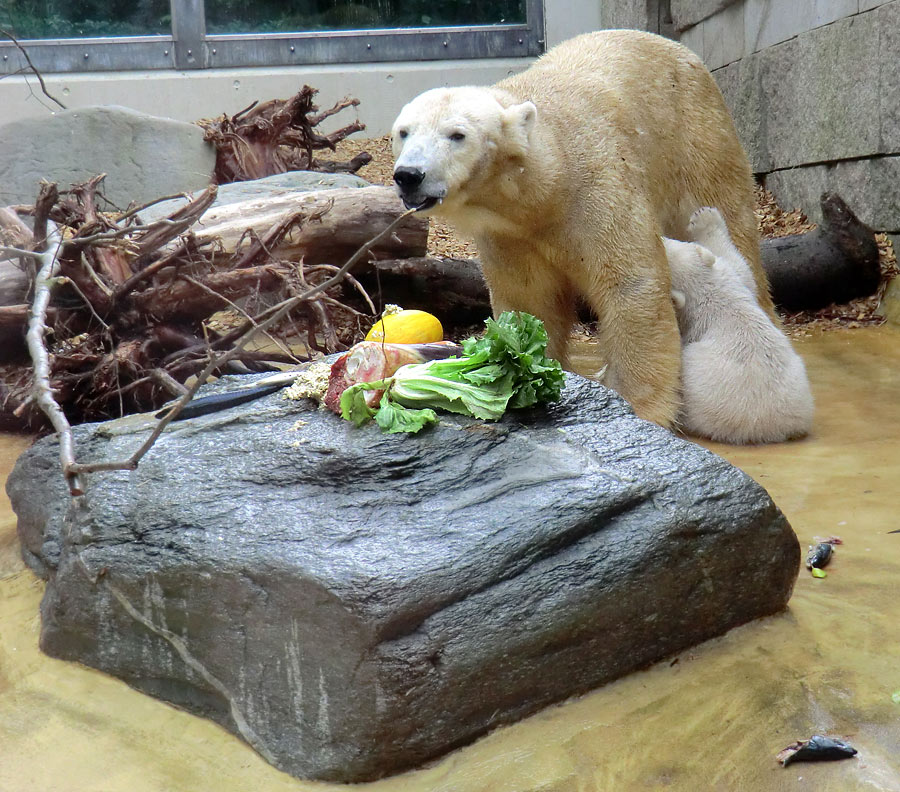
[(190, 47)]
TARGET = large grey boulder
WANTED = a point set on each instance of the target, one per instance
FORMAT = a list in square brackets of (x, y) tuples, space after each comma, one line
[(353, 603), (144, 157)]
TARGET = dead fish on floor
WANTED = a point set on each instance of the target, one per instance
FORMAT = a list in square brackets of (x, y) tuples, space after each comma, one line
[(816, 749), (819, 555)]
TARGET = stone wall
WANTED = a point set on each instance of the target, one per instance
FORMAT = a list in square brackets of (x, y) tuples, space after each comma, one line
[(652, 15), (814, 86)]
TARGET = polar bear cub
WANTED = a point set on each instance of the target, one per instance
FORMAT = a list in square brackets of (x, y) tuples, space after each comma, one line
[(741, 380)]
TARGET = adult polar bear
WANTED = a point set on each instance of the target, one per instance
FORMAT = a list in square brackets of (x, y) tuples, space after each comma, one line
[(568, 174)]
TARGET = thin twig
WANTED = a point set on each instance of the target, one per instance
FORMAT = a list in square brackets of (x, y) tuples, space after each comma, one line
[(203, 287), (67, 280), (353, 282), (165, 380), (118, 233), (172, 259), (12, 251), (138, 209), (33, 68), (97, 280)]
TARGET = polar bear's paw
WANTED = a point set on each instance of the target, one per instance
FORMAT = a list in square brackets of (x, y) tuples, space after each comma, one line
[(707, 226)]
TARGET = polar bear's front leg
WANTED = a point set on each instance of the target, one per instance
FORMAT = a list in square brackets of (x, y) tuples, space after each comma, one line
[(640, 338), (538, 291)]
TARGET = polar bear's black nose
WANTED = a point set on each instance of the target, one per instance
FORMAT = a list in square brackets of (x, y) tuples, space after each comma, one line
[(408, 178)]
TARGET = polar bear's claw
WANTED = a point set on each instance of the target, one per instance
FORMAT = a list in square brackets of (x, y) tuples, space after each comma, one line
[(706, 223)]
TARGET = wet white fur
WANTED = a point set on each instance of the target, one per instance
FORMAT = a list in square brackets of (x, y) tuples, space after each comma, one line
[(568, 174), (741, 380)]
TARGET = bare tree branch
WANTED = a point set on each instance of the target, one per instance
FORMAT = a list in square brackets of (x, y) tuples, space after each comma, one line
[(273, 315), (165, 380), (33, 68), (40, 358), (203, 287)]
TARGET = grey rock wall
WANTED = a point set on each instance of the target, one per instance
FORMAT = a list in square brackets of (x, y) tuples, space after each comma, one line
[(831, 93), (821, 111), (871, 187), (686, 13)]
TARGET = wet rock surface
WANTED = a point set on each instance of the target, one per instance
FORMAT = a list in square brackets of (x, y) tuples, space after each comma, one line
[(353, 604)]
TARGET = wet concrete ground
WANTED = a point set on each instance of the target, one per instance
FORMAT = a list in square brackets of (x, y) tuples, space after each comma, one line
[(710, 719)]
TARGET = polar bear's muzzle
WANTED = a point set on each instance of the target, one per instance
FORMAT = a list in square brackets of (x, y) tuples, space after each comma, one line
[(409, 183)]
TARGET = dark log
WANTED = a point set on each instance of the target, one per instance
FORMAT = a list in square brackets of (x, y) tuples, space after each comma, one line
[(14, 284), (13, 231), (835, 263), (13, 324), (451, 289)]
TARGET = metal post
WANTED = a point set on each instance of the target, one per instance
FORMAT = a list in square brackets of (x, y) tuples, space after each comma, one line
[(189, 32)]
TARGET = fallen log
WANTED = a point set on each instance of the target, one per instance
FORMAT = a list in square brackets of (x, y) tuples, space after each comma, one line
[(451, 289), (354, 215), (13, 322), (14, 283), (189, 299), (835, 263)]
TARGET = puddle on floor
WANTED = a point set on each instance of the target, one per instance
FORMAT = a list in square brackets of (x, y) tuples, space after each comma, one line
[(712, 718)]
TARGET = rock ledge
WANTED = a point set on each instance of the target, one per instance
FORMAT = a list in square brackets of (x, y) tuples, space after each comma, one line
[(354, 604)]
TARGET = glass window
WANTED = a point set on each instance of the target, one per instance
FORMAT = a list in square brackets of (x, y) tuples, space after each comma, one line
[(275, 16), (68, 19), (114, 35)]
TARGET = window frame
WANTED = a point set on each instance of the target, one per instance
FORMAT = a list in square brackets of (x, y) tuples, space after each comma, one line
[(191, 47)]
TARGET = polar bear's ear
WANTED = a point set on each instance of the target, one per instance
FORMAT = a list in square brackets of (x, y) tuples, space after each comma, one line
[(518, 121), (707, 257)]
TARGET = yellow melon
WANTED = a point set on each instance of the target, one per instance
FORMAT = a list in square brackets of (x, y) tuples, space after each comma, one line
[(407, 327)]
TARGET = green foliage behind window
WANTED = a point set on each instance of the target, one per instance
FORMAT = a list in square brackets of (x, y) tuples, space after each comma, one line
[(263, 16), (27, 19)]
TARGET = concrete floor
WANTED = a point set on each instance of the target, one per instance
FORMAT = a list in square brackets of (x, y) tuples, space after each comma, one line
[(712, 719)]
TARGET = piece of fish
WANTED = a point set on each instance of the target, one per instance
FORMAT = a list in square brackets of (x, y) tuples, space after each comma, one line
[(370, 361), (816, 749), (819, 555)]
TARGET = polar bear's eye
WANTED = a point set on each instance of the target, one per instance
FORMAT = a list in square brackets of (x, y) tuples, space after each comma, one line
[(457, 136), (402, 134)]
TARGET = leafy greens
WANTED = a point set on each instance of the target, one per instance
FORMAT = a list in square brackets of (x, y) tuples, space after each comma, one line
[(505, 368)]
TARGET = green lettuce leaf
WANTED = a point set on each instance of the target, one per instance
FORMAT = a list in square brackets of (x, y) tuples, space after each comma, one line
[(353, 401), (507, 367), (417, 386), (394, 417)]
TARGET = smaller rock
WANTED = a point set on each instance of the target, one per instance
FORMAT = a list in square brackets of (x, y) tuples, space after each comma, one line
[(270, 186), (143, 156)]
